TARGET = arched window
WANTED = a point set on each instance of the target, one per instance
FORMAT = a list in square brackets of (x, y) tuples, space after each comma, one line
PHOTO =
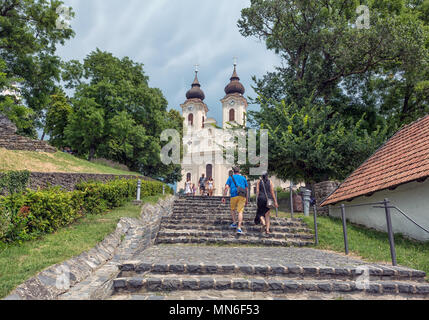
[(188, 176), (202, 126), (231, 115), (191, 120)]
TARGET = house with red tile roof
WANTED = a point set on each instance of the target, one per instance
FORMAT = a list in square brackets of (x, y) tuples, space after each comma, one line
[(397, 171)]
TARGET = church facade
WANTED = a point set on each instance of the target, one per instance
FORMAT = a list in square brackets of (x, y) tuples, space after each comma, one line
[(204, 139)]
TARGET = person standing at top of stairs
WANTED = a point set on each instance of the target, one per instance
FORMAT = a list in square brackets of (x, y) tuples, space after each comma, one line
[(238, 185)]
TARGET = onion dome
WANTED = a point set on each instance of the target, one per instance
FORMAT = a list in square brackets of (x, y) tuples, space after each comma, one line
[(235, 85), (195, 92)]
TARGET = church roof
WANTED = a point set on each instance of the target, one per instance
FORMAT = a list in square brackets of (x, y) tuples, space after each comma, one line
[(195, 92), (235, 85)]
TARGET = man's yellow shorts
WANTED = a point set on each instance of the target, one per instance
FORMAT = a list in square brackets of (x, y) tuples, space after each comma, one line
[(238, 204)]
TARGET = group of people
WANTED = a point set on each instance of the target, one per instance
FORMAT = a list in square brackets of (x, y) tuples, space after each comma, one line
[(206, 186), (265, 195), (238, 187)]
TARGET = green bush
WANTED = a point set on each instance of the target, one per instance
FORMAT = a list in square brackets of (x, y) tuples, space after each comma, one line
[(30, 215), (14, 181)]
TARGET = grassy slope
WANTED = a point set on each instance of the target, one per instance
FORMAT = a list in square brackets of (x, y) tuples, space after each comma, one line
[(52, 162), (20, 262), (368, 244)]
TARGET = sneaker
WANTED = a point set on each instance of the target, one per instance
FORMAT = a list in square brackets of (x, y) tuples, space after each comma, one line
[(239, 231), (233, 226)]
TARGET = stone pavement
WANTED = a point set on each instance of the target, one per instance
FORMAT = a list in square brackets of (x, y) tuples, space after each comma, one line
[(244, 255)]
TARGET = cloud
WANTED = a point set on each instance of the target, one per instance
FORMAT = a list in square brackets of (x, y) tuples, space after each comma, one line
[(169, 38)]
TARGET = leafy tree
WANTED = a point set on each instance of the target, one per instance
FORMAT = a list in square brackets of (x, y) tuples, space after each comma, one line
[(325, 55), (85, 129), (11, 106), (28, 40), (312, 143), (134, 115), (57, 116)]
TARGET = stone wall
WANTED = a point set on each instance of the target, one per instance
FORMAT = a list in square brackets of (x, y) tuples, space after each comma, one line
[(321, 191), (68, 181), (11, 141)]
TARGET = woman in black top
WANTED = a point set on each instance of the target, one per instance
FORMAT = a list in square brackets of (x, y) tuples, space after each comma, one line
[(263, 213)]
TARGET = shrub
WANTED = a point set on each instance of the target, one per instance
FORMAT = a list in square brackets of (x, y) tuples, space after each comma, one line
[(30, 215), (14, 181)]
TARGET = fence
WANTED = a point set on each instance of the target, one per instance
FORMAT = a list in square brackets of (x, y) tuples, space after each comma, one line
[(386, 205)]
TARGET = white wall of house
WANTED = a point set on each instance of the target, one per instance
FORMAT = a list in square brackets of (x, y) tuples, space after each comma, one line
[(412, 198)]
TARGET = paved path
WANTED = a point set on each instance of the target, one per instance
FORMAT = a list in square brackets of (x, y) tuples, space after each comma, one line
[(245, 255)]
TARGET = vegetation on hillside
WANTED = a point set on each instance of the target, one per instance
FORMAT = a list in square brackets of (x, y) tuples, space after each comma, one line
[(12, 160)]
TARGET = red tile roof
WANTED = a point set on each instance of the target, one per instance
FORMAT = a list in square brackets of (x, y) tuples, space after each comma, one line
[(404, 158)]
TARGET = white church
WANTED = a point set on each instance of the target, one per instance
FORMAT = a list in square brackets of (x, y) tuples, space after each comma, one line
[(201, 134)]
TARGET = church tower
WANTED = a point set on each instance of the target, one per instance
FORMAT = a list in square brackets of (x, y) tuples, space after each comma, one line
[(194, 110), (234, 104)]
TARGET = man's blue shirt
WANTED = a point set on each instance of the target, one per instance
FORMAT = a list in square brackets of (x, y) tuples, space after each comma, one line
[(240, 181)]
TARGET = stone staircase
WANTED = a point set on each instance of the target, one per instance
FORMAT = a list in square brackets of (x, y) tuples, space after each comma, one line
[(267, 267), (144, 280), (202, 220)]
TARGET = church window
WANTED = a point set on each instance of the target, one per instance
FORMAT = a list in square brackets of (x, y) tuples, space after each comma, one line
[(188, 176), (191, 120), (203, 123), (231, 115)]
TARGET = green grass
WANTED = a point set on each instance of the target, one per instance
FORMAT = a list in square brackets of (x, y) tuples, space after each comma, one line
[(52, 162), (368, 244), (20, 262)]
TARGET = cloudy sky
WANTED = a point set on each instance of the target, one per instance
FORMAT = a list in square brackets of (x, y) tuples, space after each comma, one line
[(169, 37)]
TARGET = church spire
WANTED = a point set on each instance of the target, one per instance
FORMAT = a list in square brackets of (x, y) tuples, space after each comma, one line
[(195, 92), (235, 85)]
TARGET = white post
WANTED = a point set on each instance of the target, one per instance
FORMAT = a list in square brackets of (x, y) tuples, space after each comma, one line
[(163, 189), (139, 186), (306, 195)]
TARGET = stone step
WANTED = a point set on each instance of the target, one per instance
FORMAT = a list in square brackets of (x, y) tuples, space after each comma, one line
[(209, 211), (193, 226), (226, 220), (208, 208), (168, 284), (384, 273), (167, 233), (254, 241)]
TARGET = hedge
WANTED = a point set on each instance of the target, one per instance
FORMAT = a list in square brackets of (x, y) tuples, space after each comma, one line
[(29, 215)]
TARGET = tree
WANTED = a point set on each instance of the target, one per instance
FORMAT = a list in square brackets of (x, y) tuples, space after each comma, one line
[(28, 40), (323, 52), (134, 115), (306, 144), (10, 105), (85, 129), (57, 117)]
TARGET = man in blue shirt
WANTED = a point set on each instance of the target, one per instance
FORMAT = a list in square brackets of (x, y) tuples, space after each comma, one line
[(238, 201)]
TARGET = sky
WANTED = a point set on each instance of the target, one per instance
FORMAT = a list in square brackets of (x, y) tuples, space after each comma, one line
[(170, 37)]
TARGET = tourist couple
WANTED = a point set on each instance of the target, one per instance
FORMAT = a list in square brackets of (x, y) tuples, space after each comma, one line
[(265, 196)]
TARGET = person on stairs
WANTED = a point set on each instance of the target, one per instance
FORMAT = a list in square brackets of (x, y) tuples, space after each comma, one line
[(266, 200), (210, 186), (202, 183), (238, 186), (188, 187)]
